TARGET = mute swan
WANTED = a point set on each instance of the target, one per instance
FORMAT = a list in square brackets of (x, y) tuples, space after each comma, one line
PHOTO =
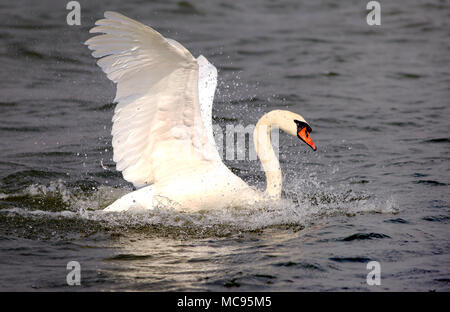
[(162, 129)]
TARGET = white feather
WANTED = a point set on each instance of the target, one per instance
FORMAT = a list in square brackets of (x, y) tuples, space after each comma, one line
[(159, 129), (207, 87)]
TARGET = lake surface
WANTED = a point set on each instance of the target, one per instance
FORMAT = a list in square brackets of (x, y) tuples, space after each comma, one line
[(377, 189)]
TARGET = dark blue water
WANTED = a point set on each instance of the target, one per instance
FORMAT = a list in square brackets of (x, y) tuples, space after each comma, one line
[(377, 99)]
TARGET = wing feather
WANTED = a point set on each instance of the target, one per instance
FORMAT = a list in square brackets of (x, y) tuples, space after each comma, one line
[(206, 87), (158, 126)]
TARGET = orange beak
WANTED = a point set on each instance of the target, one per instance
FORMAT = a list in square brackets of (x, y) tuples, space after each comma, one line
[(304, 135)]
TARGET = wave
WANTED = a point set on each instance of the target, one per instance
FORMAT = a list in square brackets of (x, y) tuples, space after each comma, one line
[(82, 208)]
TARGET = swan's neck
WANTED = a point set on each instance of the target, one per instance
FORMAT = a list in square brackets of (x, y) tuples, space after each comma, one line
[(266, 154)]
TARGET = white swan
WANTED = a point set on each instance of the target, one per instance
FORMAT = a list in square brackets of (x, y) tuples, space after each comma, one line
[(162, 128)]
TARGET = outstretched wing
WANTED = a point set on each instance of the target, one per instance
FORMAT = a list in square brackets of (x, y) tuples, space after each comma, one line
[(158, 131)]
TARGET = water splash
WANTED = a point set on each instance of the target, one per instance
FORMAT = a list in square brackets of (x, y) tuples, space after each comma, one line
[(58, 202)]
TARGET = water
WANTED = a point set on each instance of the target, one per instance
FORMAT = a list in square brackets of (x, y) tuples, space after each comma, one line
[(377, 189)]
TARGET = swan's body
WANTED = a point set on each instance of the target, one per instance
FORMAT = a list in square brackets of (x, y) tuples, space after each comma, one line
[(162, 132)]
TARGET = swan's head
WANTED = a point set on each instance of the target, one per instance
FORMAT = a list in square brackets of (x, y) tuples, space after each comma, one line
[(294, 124)]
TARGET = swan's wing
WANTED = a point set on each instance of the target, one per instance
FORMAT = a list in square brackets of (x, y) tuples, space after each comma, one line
[(158, 132)]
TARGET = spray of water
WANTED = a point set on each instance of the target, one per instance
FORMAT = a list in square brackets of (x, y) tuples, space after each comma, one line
[(57, 202)]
